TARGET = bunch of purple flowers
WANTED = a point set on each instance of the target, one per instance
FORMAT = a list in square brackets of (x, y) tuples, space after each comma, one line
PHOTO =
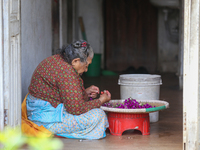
[(129, 104)]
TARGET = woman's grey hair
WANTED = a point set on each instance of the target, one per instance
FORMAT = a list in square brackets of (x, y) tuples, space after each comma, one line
[(78, 49)]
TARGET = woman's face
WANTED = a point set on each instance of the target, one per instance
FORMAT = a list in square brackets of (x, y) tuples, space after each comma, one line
[(81, 67)]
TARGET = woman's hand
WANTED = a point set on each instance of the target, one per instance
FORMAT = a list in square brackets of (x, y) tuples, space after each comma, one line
[(92, 91), (105, 97)]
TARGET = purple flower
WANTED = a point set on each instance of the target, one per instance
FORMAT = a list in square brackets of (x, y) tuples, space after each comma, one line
[(129, 104)]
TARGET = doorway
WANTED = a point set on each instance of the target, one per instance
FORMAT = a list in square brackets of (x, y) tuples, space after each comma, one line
[(130, 35)]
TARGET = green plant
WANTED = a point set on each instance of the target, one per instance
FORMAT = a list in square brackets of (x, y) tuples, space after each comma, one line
[(12, 139)]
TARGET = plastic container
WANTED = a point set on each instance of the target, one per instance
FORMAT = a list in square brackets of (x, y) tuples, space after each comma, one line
[(141, 87), (94, 69)]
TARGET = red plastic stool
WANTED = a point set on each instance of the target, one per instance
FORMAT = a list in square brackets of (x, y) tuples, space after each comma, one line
[(119, 122)]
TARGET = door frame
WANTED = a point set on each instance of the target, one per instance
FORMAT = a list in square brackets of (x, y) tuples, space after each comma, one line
[(10, 63), (191, 72)]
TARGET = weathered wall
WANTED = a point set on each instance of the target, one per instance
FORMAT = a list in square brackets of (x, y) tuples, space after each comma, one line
[(168, 47), (91, 11), (36, 36)]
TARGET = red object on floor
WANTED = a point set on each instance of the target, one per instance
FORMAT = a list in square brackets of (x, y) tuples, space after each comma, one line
[(56, 136), (119, 122)]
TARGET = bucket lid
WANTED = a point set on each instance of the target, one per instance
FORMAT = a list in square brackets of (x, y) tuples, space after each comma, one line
[(148, 79)]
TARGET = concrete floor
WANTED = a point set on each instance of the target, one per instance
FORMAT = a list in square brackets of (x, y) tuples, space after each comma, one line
[(164, 135)]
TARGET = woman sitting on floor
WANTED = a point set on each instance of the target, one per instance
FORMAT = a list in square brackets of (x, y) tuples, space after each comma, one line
[(58, 100)]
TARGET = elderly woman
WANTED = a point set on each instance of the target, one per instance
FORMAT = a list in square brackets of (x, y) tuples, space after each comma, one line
[(58, 100)]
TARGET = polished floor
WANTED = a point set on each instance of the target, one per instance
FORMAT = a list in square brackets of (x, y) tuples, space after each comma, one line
[(166, 134)]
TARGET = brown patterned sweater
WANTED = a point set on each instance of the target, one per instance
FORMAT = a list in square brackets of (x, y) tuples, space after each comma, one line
[(55, 81)]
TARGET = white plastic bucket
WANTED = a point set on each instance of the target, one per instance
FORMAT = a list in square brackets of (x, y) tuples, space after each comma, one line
[(141, 87)]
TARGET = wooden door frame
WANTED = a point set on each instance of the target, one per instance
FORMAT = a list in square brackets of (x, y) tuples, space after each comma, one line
[(1, 70), (191, 72), (10, 63)]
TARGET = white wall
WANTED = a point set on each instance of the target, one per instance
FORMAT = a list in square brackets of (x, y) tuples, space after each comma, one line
[(36, 37), (91, 11), (167, 50)]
